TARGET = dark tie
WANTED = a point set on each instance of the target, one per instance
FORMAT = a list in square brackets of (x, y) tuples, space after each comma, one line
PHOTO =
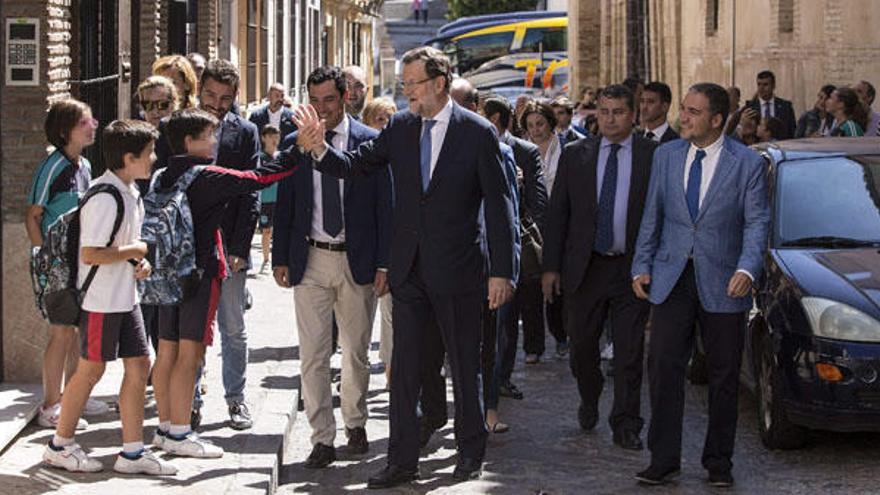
[(331, 204), (425, 152), (649, 135), (605, 222), (693, 189), (766, 110)]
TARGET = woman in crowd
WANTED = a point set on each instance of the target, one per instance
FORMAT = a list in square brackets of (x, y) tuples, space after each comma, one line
[(178, 69), (770, 129), (158, 97), (539, 122), (377, 114), (59, 182), (849, 112), (816, 122)]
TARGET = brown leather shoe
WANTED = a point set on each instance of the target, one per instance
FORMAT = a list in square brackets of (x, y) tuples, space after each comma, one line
[(357, 440)]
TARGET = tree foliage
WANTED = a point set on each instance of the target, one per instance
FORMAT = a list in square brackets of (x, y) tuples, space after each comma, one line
[(464, 8)]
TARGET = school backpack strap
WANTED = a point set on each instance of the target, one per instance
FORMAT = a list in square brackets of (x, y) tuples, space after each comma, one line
[(120, 213)]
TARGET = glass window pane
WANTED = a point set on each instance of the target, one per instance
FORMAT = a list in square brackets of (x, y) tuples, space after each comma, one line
[(476, 50)]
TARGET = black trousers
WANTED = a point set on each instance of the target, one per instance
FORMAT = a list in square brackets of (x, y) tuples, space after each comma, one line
[(555, 324), (419, 314), (607, 287), (672, 341), (528, 304)]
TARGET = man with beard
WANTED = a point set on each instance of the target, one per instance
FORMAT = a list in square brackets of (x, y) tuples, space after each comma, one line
[(274, 112), (357, 90)]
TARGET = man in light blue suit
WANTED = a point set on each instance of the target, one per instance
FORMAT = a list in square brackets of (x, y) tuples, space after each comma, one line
[(700, 248)]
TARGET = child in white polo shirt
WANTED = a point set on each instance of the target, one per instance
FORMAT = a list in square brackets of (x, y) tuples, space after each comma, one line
[(111, 324)]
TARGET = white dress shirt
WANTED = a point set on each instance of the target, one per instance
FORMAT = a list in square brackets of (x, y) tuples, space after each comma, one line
[(551, 163), (340, 142), (658, 132), (710, 163), (275, 117), (438, 132)]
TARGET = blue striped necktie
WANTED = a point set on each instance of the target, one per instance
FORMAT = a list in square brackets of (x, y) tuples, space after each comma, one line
[(425, 152), (695, 177)]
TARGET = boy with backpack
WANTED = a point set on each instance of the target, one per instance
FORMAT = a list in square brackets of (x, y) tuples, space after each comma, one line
[(111, 258), (188, 283)]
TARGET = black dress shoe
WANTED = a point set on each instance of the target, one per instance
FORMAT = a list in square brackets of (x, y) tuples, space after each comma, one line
[(720, 479), (467, 468), (508, 389), (321, 457), (628, 439), (357, 440), (392, 476), (587, 417), (657, 476)]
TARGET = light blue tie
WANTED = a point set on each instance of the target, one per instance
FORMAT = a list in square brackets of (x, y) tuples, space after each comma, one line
[(425, 152), (695, 177)]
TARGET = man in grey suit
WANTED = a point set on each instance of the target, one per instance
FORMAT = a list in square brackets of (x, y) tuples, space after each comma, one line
[(700, 248)]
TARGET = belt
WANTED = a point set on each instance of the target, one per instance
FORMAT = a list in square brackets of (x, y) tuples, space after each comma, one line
[(329, 246), (608, 254)]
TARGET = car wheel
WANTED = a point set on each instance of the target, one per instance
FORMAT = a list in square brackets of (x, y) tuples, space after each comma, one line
[(777, 432)]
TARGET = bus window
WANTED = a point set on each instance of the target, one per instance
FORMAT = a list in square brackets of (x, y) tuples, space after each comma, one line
[(474, 51), (554, 39)]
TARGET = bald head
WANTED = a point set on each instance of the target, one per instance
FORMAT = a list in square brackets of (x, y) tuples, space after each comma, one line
[(356, 79), (464, 93)]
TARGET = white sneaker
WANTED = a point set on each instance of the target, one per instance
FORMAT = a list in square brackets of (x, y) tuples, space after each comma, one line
[(147, 463), (72, 458), (49, 417), (192, 446), (95, 408), (159, 440), (607, 352)]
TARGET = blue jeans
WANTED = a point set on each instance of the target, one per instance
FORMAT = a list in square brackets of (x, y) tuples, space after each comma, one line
[(233, 337)]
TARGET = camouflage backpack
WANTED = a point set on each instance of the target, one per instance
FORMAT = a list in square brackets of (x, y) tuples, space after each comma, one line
[(168, 231)]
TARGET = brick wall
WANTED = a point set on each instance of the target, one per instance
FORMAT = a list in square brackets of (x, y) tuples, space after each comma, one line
[(150, 39), (206, 28)]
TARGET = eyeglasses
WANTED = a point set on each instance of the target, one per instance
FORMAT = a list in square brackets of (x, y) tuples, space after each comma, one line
[(161, 105), (412, 84), (90, 122)]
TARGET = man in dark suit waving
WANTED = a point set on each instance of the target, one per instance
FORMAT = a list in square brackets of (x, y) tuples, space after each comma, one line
[(446, 162), (589, 238), (331, 241)]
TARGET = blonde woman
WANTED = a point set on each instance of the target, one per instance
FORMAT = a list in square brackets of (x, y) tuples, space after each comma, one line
[(158, 97), (178, 69), (377, 113)]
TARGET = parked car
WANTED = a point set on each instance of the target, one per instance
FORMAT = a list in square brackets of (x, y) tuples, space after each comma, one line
[(812, 351)]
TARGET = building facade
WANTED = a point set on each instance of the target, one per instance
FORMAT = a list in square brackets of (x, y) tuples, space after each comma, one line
[(98, 51), (806, 43)]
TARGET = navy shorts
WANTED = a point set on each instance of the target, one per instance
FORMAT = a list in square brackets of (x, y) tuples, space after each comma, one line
[(192, 319), (106, 336), (267, 214)]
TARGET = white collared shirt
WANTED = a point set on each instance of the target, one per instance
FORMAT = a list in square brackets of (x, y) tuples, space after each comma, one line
[(658, 132), (438, 132), (340, 142), (551, 163), (771, 109), (710, 163), (275, 117)]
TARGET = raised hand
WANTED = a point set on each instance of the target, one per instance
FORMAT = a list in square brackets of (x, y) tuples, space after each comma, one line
[(311, 129)]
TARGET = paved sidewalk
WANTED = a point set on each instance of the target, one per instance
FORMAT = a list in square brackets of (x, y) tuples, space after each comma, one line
[(252, 456)]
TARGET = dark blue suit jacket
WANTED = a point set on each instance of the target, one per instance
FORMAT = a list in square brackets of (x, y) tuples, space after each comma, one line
[(366, 211), (239, 149), (441, 227), (260, 117)]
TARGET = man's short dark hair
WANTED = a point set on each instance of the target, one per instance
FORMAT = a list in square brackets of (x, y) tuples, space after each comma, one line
[(328, 73), (269, 129), (766, 74), (619, 92), (661, 89), (870, 92), (719, 101), (563, 102), (632, 83), (187, 122), (222, 71), (495, 105), (126, 136), (828, 89), (436, 62)]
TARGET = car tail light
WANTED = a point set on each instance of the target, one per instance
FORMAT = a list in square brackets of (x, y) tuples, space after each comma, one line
[(829, 372)]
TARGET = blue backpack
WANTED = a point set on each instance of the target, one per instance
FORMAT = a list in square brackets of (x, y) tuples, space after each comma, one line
[(169, 233)]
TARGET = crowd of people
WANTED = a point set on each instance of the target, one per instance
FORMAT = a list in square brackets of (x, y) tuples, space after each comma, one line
[(458, 219)]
